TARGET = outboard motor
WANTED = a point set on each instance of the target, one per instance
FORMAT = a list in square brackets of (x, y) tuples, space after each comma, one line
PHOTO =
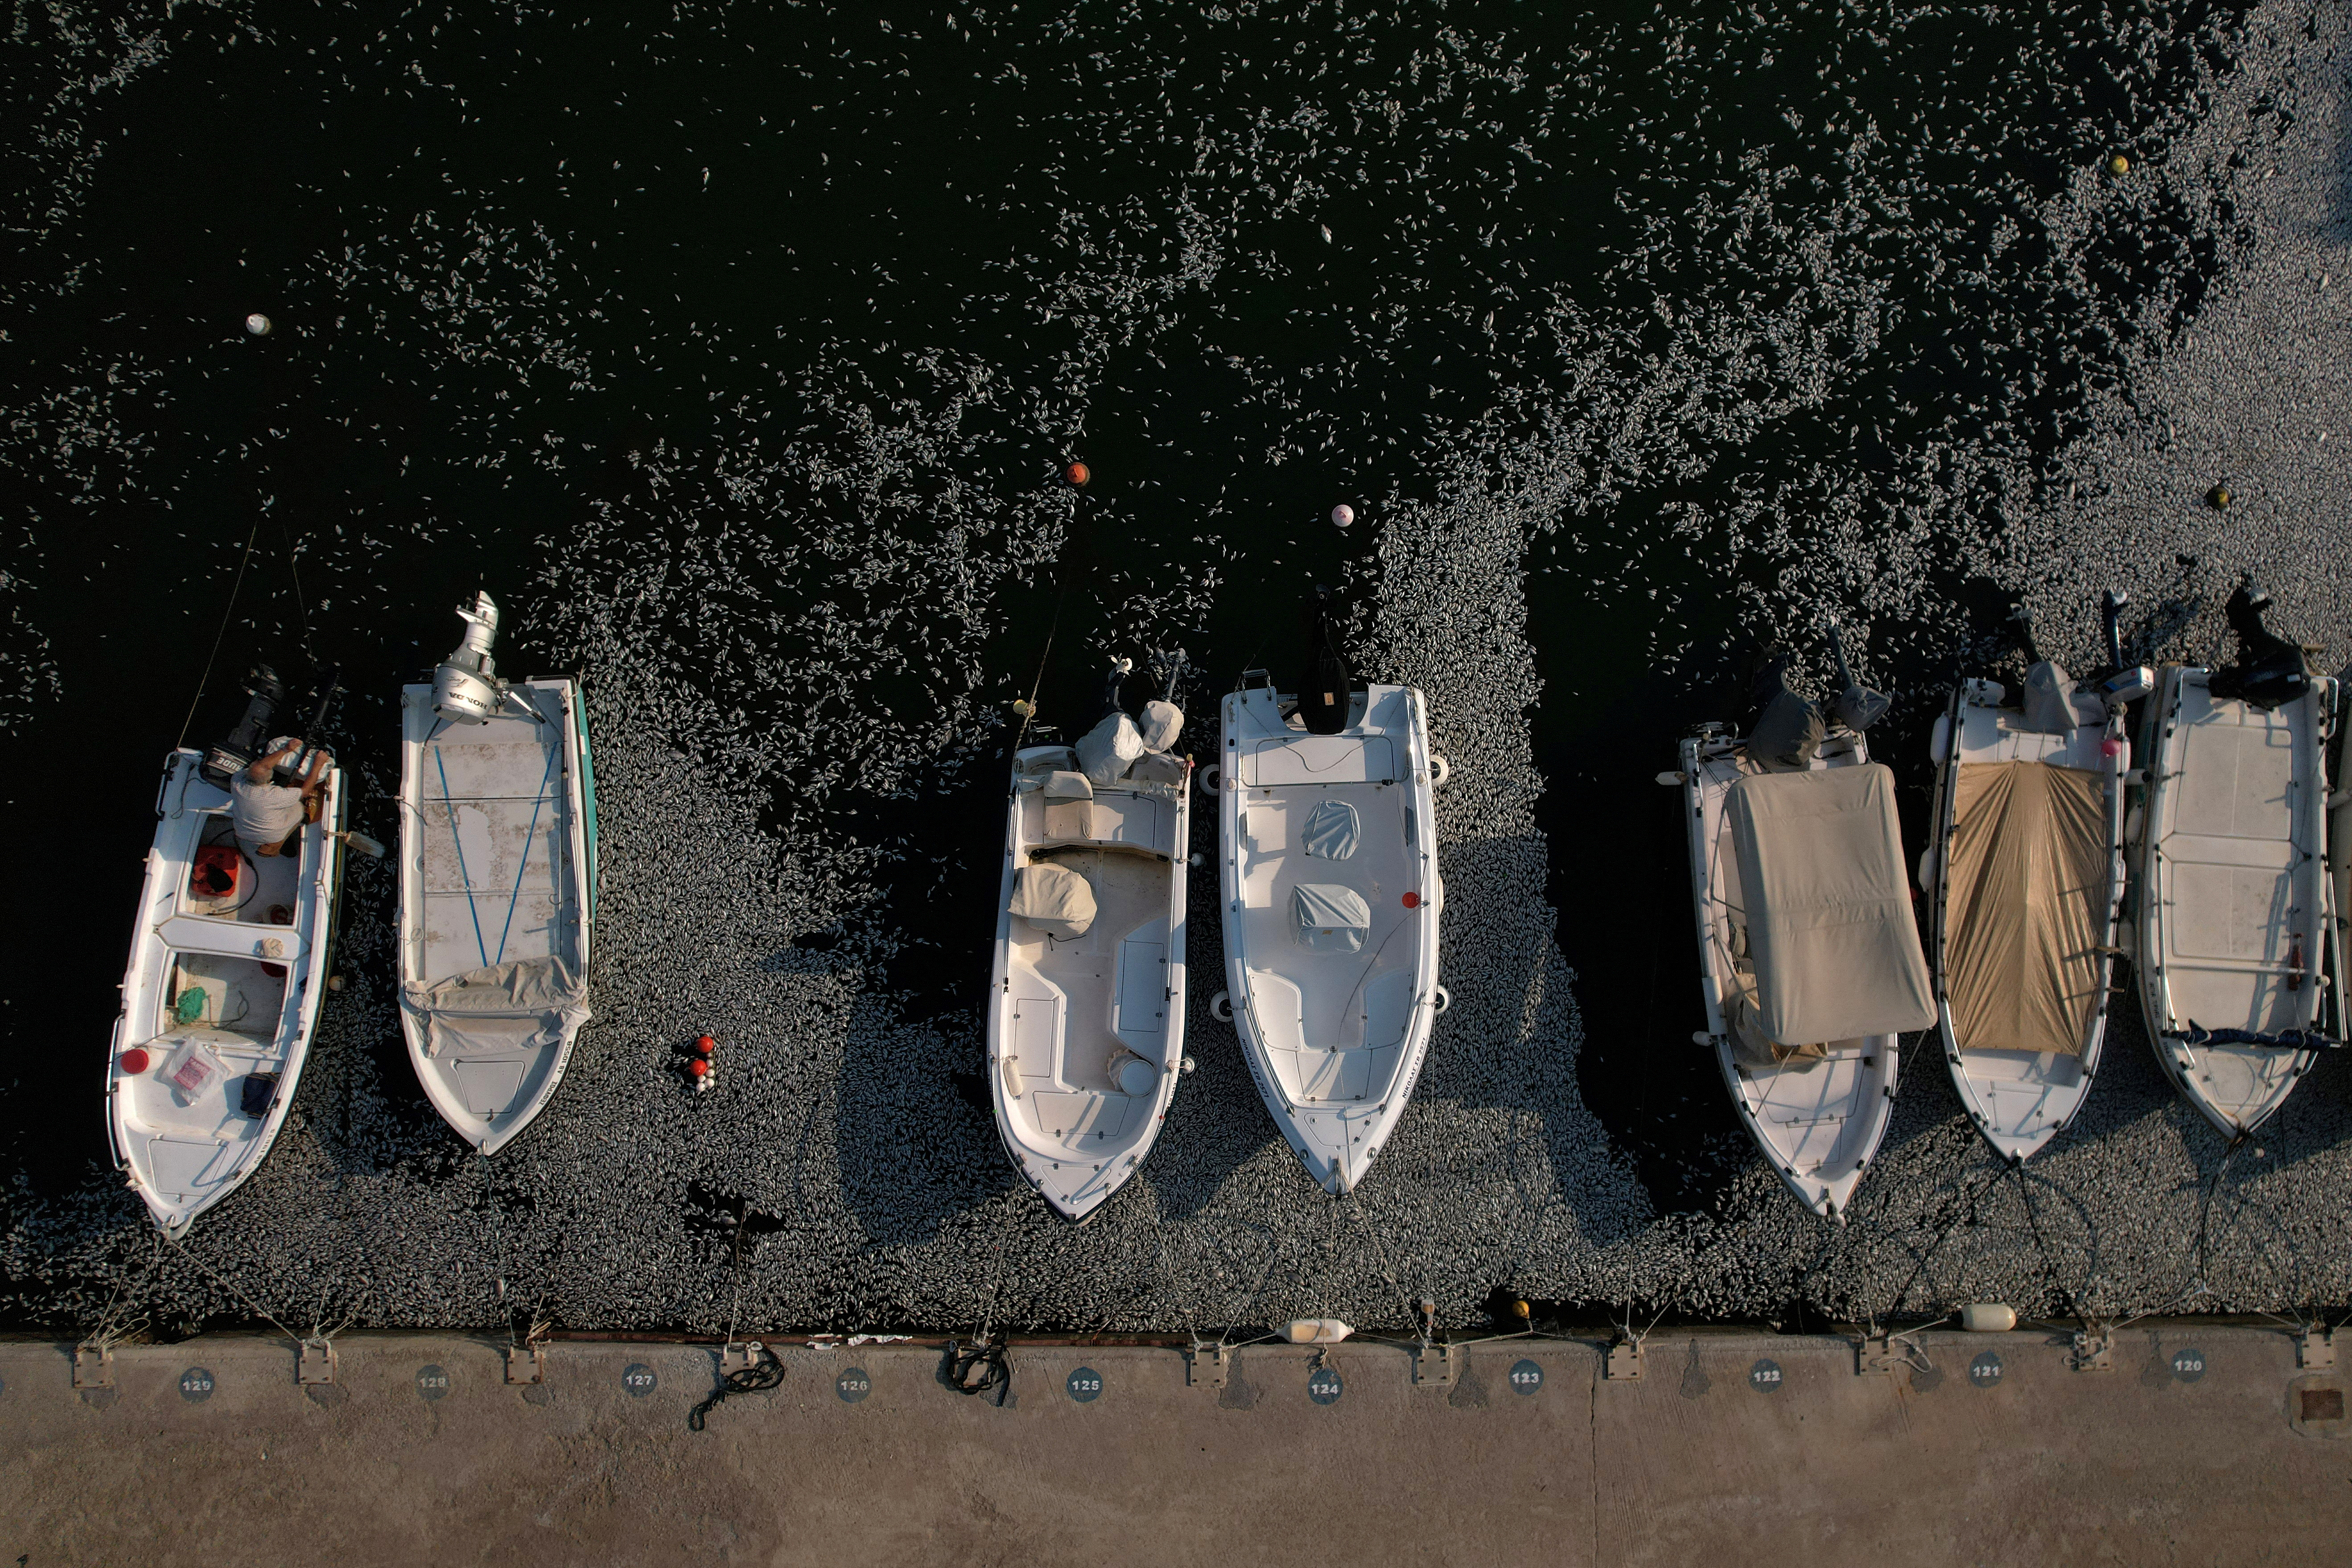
[(2116, 682), (466, 686), (222, 761), (328, 686), (1326, 688), (2269, 671), (1856, 706)]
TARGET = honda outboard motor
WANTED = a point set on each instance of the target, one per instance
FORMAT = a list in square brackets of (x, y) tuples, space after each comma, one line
[(222, 761), (2269, 671), (465, 687), (1328, 685)]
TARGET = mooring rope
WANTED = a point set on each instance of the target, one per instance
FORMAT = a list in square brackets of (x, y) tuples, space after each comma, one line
[(226, 611)]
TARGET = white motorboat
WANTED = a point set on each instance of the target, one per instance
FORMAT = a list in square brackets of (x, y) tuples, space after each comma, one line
[(498, 886), (2236, 938), (228, 965), (2025, 878), (1328, 843), (1086, 1028), (1811, 969)]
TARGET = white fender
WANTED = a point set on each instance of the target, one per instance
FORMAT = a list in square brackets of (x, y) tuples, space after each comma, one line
[(1939, 740), (1221, 1007), (1211, 778), (1440, 1000), (1440, 770)]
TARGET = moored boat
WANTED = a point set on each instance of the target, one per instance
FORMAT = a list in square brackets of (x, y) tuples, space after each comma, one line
[(1811, 969), (228, 967), (1086, 1025), (2025, 879), (1332, 897), (2236, 938), (498, 886)]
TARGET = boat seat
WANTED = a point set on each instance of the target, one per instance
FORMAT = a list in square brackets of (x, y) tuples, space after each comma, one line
[(1111, 819), (1053, 900)]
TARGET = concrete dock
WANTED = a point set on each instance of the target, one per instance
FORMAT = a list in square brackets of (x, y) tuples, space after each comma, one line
[(2200, 1443)]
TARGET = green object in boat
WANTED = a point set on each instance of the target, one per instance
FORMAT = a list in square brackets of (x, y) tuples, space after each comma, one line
[(189, 1006)]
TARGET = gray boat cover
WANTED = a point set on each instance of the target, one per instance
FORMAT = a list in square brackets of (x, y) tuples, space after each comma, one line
[(525, 1004), (1104, 751), (1054, 899), (1829, 911), (2049, 700), (1331, 919), (1162, 722), (2021, 913), (1332, 830)]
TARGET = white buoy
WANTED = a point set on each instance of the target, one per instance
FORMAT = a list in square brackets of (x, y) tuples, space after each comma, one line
[(1343, 514), (257, 324)]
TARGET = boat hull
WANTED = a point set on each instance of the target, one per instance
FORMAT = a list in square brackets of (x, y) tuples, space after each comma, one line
[(497, 896), (2018, 1100), (1817, 1123), (241, 975), (1335, 1037), (1069, 1016), (2236, 920)]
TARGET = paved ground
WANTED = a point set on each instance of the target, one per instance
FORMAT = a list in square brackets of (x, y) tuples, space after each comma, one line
[(1693, 1462)]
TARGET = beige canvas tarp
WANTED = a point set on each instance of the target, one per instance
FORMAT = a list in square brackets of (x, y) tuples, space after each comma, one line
[(2022, 920), (1829, 912)]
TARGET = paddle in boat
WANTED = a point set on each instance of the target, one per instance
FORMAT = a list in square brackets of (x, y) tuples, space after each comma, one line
[(1086, 1028), (1329, 844), (2236, 940), (2025, 877), (228, 960), (498, 884), (1809, 962)]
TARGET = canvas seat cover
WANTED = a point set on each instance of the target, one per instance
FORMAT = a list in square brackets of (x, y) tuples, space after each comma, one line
[(1054, 899), (1829, 914), (1331, 918), (2021, 918), (1332, 830)]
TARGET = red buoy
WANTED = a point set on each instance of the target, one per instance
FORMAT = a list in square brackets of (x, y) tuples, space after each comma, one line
[(1078, 473), (1413, 901), (698, 1067), (134, 1060), (704, 1045)]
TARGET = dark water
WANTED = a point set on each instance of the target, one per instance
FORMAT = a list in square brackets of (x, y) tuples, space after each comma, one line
[(759, 332)]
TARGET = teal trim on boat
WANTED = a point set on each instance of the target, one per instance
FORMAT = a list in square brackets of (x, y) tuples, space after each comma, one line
[(587, 795)]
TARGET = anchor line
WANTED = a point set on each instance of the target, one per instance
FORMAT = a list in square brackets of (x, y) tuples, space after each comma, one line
[(515, 896), (228, 610), (463, 875)]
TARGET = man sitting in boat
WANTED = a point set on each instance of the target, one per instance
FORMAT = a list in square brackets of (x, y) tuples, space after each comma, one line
[(266, 813)]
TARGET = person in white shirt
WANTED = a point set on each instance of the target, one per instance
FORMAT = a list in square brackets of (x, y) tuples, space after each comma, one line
[(268, 814)]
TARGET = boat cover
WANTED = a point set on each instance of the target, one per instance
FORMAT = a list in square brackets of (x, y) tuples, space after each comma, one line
[(1331, 919), (1829, 912), (1061, 784), (2049, 700), (1104, 751), (523, 1005), (1162, 722), (1332, 830), (2028, 868), (1054, 899)]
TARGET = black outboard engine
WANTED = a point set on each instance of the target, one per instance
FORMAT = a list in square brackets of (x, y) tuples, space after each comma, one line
[(222, 761), (1327, 687), (2269, 671)]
